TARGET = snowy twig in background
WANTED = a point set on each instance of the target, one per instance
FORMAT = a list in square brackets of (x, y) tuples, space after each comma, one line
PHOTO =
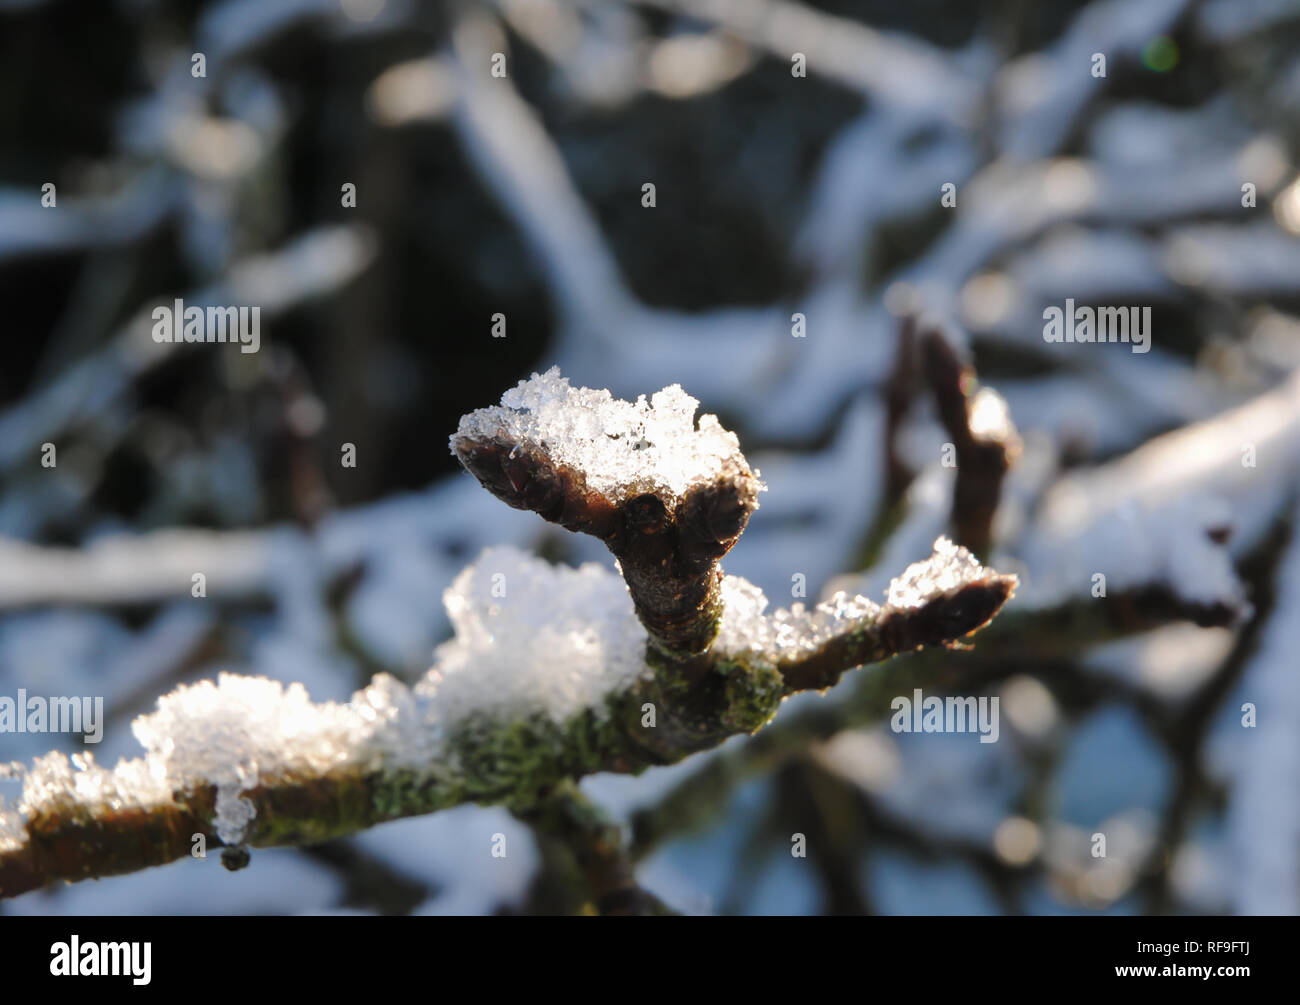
[(1171, 514), (136, 569), (1265, 828), (311, 265), (984, 439), (892, 69), (1042, 98), (549, 676), (509, 144)]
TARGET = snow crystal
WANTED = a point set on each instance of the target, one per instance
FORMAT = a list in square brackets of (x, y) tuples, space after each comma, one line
[(534, 636), (949, 568), (622, 448)]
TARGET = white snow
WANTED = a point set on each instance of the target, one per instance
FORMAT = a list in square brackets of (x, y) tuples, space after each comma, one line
[(1256, 259), (949, 569), (232, 733), (1169, 663), (1044, 93), (1232, 20), (1133, 545), (141, 567), (789, 634), (531, 636), (1263, 814), (449, 852), (895, 70), (1145, 518), (944, 784), (622, 448)]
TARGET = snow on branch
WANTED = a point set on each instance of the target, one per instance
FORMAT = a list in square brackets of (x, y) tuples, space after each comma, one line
[(668, 499), (1165, 522), (550, 675), (891, 69)]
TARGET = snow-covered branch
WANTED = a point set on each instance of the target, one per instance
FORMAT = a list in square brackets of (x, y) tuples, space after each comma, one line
[(668, 499), (550, 675)]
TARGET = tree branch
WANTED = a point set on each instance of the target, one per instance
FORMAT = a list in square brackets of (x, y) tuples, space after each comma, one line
[(550, 676), (666, 526), (986, 442), (578, 829)]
